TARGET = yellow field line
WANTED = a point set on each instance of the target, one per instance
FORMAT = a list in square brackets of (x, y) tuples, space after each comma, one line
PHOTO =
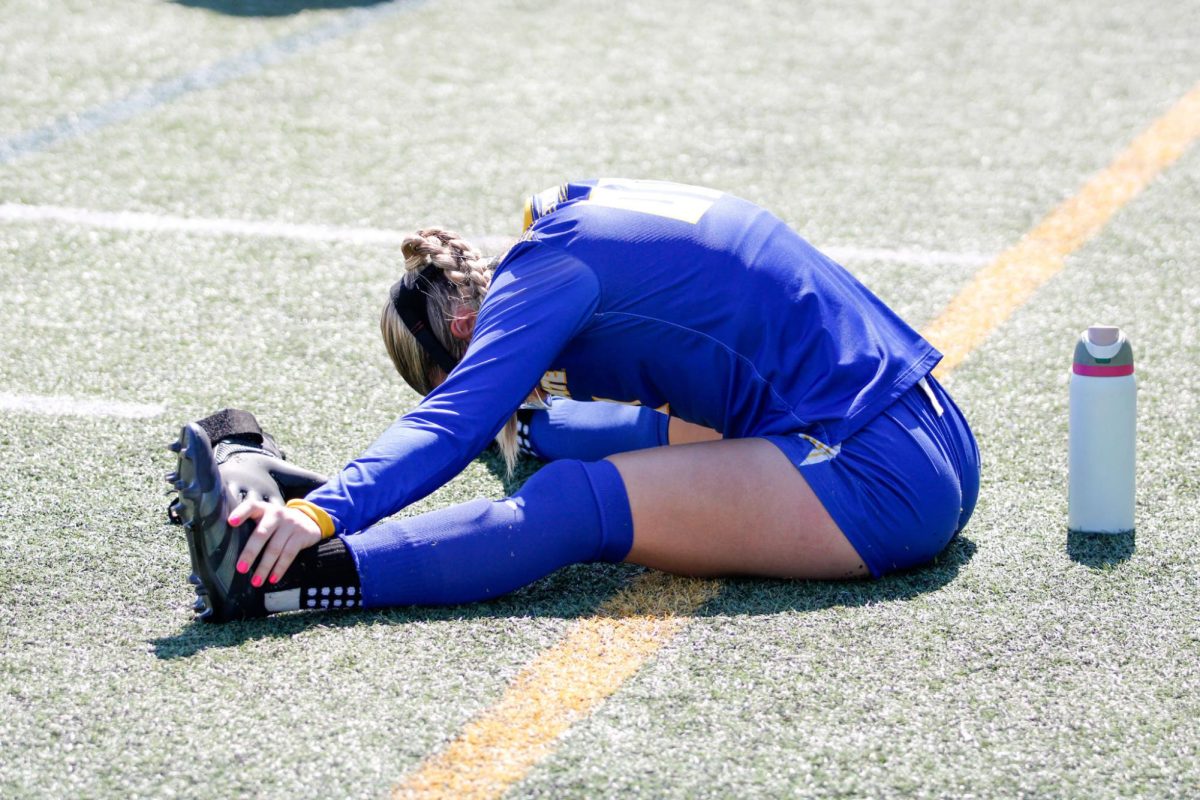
[(567, 682), (1007, 283), (560, 687)]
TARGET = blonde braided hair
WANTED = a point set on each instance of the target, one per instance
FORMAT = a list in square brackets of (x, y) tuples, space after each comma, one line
[(463, 265), (468, 274)]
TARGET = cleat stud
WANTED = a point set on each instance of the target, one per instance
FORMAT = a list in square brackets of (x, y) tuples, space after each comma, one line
[(189, 525), (175, 447), (180, 485), (199, 605), (171, 476), (194, 579)]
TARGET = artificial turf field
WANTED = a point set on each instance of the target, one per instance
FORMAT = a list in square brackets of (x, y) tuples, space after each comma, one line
[(916, 141)]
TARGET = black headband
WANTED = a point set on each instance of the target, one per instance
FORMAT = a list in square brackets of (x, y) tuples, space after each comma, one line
[(409, 302)]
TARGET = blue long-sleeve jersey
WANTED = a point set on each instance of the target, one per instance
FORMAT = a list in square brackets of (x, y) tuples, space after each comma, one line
[(685, 299)]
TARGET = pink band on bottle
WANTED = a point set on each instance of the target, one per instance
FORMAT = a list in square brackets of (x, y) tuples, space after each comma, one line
[(1100, 371)]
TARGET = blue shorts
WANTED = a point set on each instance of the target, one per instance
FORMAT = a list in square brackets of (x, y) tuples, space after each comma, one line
[(902, 486)]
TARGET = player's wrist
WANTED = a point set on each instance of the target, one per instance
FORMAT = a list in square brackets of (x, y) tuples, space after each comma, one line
[(317, 514)]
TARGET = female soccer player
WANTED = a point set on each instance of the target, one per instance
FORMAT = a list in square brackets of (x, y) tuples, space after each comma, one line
[(807, 436)]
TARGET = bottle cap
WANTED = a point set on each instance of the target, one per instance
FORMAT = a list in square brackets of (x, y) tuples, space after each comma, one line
[(1103, 352)]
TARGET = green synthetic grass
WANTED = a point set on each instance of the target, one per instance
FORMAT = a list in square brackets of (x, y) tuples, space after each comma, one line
[(1025, 663)]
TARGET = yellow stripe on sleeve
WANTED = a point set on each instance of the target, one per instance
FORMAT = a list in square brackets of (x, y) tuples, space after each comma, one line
[(528, 214)]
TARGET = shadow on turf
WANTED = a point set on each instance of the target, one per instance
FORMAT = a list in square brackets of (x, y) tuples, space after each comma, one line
[(577, 591), (1100, 550), (273, 8), (755, 596), (570, 593)]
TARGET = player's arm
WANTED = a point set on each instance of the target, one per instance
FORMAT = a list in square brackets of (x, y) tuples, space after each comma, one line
[(537, 302), (535, 306)]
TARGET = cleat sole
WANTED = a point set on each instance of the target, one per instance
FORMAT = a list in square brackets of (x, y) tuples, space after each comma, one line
[(213, 545)]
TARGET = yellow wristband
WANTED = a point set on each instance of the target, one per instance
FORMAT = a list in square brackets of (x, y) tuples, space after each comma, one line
[(316, 514)]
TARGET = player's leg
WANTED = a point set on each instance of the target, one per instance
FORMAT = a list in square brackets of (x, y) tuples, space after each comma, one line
[(595, 430), (731, 507), (888, 498), (568, 512), (682, 432)]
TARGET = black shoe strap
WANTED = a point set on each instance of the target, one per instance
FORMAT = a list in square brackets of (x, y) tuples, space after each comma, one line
[(231, 422)]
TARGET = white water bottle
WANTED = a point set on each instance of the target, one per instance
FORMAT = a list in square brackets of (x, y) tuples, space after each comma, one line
[(1103, 433)]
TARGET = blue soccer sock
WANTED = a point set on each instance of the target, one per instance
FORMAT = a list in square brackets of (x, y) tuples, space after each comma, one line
[(589, 431), (568, 512)]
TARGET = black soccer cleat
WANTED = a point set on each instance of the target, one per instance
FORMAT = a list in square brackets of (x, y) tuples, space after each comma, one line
[(222, 593)]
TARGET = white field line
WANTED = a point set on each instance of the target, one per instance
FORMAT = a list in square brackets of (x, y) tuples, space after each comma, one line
[(17, 213), (57, 406), (207, 226), (922, 258), (165, 223)]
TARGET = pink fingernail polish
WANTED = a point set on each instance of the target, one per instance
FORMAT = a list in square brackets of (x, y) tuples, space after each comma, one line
[(234, 521), (274, 579), (256, 581), (243, 567)]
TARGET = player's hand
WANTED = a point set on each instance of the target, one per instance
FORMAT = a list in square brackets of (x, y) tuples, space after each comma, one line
[(282, 531)]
